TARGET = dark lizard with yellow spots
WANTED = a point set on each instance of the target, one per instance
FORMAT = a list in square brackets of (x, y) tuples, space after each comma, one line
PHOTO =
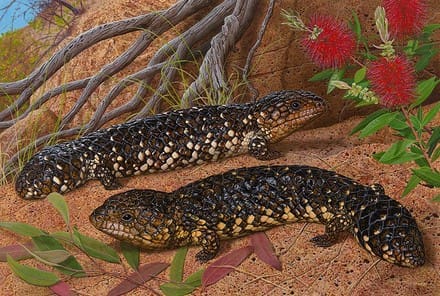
[(168, 141), (246, 200)]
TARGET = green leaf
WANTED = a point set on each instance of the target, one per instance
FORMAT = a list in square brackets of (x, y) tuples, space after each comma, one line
[(421, 162), (436, 154), (337, 75), (431, 114), (377, 124), (410, 48), (22, 228), (424, 90), (64, 236), (32, 275), (425, 49), (58, 202), (428, 175), (367, 120), (356, 26), (195, 279), (323, 75), (436, 198), (417, 124), (176, 289), (131, 254), (378, 155), (396, 150), (400, 125), (425, 59), (369, 56), (412, 183), (407, 134), (362, 103), (431, 28), (96, 249), (399, 122), (176, 268), (398, 159), (69, 266), (360, 74), (53, 256)]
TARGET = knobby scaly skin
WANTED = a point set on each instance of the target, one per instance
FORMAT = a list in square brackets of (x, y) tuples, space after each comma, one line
[(247, 200), (168, 141)]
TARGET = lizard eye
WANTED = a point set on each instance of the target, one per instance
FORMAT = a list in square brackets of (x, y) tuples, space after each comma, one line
[(127, 217), (295, 105)]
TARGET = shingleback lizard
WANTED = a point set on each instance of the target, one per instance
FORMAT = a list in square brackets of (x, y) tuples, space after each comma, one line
[(168, 141), (246, 200)]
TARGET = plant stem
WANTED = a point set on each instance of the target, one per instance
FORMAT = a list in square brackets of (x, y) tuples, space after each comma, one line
[(416, 136), (357, 62)]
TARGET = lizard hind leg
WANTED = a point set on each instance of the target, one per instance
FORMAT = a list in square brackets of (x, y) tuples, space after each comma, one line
[(107, 178), (337, 225), (209, 241)]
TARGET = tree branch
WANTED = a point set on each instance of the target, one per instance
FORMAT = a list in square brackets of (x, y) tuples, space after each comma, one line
[(252, 51), (212, 72)]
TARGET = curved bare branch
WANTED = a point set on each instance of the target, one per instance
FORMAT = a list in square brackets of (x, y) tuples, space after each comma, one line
[(247, 65), (70, 86), (212, 69)]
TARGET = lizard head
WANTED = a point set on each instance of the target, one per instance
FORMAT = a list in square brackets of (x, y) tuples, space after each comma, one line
[(137, 216), (280, 113)]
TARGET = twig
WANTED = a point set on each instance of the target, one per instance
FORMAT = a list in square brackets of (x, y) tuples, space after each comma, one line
[(362, 276), (296, 239), (67, 87), (252, 51), (416, 135), (252, 275)]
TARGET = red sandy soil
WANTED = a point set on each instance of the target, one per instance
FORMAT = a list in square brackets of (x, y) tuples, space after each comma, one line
[(343, 269)]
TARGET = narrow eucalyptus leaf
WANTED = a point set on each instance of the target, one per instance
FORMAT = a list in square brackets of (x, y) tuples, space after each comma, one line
[(368, 119), (377, 124), (176, 268), (31, 275), (22, 228), (428, 175), (131, 254), (412, 183), (58, 202), (96, 248)]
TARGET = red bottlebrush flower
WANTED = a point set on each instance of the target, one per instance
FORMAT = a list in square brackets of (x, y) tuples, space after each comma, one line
[(393, 80), (405, 17), (332, 45)]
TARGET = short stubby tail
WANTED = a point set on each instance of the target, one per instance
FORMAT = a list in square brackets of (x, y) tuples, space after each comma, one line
[(50, 170), (387, 229)]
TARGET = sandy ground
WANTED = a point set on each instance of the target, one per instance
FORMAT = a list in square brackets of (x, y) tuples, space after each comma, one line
[(343, 269)]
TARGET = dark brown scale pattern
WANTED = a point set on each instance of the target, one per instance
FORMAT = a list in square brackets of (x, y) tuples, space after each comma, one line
[(247, 200), (168, 141)]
